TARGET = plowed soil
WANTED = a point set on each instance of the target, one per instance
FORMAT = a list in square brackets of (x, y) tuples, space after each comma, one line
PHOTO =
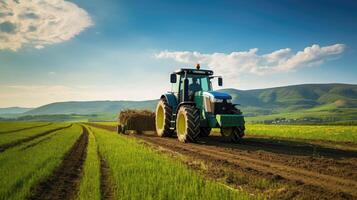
[(64, 182), (299, 170)]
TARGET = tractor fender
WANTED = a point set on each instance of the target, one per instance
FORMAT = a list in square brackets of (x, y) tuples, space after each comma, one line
[(170, 99)]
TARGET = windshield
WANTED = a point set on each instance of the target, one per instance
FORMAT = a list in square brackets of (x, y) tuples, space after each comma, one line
[(199, 83), (195, 83)]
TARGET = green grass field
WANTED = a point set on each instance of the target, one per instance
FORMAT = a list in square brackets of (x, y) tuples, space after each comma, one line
[(134, 170), (309, 132), (13, 126), (14, 136), (140, 173), (25, 165)]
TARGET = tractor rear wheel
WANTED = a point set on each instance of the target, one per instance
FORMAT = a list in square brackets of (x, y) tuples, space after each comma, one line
[(163, 118), (232, 134), (188, 124), (204, 131)]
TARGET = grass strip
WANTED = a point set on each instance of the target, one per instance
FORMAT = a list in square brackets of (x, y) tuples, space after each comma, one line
[(90, 182), (11, 126), (23, 129), (310, 132), (30, 138), (140, 173), (12, 137), (34, 164)]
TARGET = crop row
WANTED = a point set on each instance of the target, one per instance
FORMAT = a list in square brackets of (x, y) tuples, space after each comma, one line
[(23, 166)]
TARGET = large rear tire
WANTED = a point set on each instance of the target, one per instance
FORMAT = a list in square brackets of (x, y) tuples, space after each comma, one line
[(204, 131), (162, 119), (188, 124), (232, 134)]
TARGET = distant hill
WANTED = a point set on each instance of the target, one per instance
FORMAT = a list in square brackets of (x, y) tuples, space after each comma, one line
[(321, 102), (297, 96), (14, 110), (90, 107), (328, 101)]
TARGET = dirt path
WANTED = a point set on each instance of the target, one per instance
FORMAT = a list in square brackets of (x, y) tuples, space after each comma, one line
[(310, 171), (23, 129), (64, 182), (21, 141)]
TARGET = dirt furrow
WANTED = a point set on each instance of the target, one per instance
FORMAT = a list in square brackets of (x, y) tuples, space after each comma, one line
[(295, 174), (64, 182), (305, 156), (106, 186), (23, 129), (28, 139)]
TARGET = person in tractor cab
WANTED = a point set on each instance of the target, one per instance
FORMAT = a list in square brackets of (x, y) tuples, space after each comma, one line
[(194, 87)]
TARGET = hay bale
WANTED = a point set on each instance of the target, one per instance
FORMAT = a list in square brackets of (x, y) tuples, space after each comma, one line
[(137, 120)]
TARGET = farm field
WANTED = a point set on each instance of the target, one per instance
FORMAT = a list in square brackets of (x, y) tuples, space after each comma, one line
[(334, 133), (73, 161), (275, 168), (92, 161), (8, 127), (27, 163)]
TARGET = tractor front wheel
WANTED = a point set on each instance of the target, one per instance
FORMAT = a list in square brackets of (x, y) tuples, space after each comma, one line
[(188, 124), (162, 119), (232, 134)]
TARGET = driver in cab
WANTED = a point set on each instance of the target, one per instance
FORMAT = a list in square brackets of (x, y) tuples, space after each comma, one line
[(194, 87)]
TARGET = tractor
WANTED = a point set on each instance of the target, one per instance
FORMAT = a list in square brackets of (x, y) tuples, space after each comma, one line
[(192, 108)]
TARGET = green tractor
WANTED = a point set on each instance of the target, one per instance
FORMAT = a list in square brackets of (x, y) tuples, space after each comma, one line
[(192, 108)]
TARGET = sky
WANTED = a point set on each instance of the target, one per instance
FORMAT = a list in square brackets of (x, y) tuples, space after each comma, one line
[(57, 50)]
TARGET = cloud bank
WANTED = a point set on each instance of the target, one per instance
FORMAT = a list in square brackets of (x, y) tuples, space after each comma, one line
[(235, 63), (39, 22)]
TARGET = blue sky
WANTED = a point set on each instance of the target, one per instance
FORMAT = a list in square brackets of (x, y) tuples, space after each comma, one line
[(99, 50)]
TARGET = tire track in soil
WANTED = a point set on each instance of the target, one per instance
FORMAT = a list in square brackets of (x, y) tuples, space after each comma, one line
[(106, 185), (265, 159), (64, 181), (23, 129), (334, 184), (4, 147)]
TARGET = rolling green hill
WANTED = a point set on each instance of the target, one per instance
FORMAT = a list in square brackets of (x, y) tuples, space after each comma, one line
[(330, 102), (298, 103), (90, 107)]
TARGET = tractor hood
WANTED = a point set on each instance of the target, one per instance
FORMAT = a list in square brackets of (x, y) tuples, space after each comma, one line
[(218, 95)]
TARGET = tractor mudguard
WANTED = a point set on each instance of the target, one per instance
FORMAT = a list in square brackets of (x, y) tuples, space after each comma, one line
[(171, 100)]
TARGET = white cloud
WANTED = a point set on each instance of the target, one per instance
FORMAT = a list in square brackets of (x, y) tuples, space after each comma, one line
[(235, 63), (39, 22)]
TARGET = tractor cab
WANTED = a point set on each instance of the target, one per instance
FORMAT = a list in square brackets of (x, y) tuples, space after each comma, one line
[(193, 108), (187, 83)]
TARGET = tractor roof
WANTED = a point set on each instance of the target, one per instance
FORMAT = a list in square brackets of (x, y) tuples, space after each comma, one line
[(194, 71)]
